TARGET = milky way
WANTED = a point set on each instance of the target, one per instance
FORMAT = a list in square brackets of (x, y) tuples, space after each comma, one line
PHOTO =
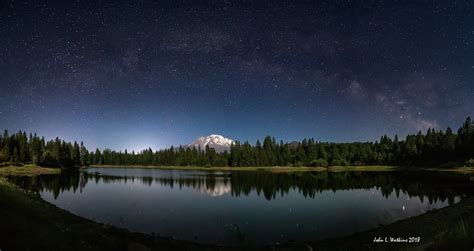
[(133, 74)]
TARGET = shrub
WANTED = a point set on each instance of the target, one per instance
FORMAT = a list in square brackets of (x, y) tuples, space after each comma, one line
[(298, 164), (339, 162), (318, 163), (470, 163)]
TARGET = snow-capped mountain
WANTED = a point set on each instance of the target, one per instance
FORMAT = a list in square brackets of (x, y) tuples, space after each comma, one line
[(218, 142)]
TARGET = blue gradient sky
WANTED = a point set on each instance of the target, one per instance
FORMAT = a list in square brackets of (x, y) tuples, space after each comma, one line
[(153, 73)]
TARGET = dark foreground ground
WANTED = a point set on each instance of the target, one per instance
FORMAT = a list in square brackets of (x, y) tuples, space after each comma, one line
[(29, 223)]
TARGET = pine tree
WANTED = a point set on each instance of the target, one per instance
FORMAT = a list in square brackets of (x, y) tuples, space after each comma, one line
[(435, 147), (322, 152), (98, 160), (465, 143), (5, 154), (76, 154), (15, 156), (84, 155)]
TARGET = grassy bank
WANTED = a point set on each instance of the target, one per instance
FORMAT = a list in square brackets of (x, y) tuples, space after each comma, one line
[(363, 168), (32, 170), (226, 168), (450, 228), (27, 170), (277, 169), (464, 169)]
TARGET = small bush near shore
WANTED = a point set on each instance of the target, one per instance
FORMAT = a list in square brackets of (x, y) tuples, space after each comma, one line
[(470, 163)]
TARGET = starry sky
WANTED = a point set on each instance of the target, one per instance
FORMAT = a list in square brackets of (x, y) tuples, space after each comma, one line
[(136, 74)]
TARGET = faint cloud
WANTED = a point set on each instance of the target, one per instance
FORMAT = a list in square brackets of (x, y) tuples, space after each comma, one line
[(412, 121), (423, 124), (357, 91), (400, 102), (380, 98)]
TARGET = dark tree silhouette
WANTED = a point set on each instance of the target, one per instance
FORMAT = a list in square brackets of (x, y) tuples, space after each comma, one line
[(433, 148)]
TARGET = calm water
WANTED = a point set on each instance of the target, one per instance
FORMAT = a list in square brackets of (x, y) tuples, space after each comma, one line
[(232, 208)]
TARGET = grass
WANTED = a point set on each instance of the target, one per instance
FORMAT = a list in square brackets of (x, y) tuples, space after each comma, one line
[(282, 169), (450, 228), (463, 169), (362, 168), (276, 169), (27, 170), (226, 168), (32, 170)]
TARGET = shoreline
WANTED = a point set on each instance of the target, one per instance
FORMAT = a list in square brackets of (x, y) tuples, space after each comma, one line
[(282, 169), (27, 216), (33, 170), (29, 222), (28, 170), (227, 168)]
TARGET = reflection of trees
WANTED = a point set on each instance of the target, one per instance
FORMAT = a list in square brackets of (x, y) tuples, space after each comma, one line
[(66, 181), (434, 186)]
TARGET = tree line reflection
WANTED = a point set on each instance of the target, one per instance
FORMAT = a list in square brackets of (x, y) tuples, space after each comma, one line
[(432, 186)]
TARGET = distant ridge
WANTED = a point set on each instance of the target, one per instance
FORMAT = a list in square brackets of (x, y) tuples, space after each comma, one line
[(218, 142)]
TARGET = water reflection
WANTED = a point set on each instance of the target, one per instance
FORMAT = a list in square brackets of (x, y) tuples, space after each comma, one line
[(432, 186), (235, 207)]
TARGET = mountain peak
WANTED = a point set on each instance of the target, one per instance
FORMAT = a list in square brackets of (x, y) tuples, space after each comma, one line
[(216, 141)]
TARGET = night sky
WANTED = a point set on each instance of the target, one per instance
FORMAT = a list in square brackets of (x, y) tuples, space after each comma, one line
[(136, 74)]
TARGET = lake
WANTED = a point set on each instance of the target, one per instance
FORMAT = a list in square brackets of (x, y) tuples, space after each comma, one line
[(235, 208)]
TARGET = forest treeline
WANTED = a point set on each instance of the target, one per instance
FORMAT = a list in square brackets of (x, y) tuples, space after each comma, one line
[(435, 147)]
